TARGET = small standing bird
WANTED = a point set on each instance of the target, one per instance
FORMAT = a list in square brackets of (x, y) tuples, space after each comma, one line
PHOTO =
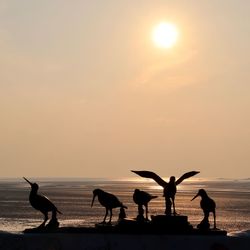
[(169, 187), (107, 200), (207, 205), (42, 203), (142, 198)]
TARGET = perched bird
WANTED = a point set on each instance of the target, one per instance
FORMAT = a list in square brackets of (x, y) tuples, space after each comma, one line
[(207, 205), (169, 188), (142, 198), (107, 200), (42, 203)]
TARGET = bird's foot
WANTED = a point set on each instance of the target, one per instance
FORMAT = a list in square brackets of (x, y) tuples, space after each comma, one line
[(41, 226), (103, 223), (53, 224), (204, 225), (175, 213)]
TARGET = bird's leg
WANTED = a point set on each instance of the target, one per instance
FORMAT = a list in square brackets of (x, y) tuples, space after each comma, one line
[(168, 204), (140, 210), (140, 216), (206, 216), (174, 211), (204, 224), (53, 223), (122, 214), (104, 219), (214, 220), (146, 206), (110, 218), (45, 219), (53, 215)]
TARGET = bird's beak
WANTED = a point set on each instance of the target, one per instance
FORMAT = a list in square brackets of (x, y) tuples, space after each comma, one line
[(93, 200), (195, 197), (28, 181)]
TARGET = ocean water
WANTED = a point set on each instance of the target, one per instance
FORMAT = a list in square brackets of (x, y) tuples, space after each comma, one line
[(73, 198)]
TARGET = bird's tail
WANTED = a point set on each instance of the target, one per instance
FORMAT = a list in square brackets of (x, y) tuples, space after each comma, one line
[(58, 211), (154, 196), (123, 206), (54, 212)]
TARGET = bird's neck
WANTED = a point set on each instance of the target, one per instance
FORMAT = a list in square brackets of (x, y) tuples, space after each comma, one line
[(172, 183), (33, 192)]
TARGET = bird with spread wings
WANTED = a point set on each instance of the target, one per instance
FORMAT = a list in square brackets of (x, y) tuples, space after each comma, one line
[(169, 188)]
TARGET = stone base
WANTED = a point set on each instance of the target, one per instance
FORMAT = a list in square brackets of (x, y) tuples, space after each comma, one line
[(171, 223)]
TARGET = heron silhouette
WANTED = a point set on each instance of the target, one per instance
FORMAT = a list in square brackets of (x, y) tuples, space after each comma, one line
[(142, 198), (169, 188), (107, 200), (42, 204), (207, 205)]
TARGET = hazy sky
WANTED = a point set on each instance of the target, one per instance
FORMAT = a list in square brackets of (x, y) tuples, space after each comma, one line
[(84, 92)]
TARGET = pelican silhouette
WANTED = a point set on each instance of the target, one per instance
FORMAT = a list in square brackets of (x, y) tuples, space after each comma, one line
[(207, 205), (42, 203), (107, 200), (142, 198), (169, 188)]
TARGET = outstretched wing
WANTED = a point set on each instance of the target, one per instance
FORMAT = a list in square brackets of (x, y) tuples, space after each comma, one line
[(151, 175), (185, 176)]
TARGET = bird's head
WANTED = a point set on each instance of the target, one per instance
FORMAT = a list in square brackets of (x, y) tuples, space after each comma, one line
[(172, 179), (137, 190), (201, 193), (96, 192), (34, 186)]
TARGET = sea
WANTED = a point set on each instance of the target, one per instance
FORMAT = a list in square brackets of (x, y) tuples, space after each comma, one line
[(73, 197)]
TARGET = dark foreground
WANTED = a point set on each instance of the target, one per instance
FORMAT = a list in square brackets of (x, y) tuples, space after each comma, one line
[(109, 241), (162, 232)]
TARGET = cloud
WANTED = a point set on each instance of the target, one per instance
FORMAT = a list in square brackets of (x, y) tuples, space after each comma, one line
[(169, 71)]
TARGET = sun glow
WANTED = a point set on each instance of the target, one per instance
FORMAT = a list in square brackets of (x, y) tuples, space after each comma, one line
[(165, 35)]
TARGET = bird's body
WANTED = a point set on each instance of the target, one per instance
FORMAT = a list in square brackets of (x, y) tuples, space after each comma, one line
[(169, 188), (142, 198), (207, 204), (107, 200), (169, 192), (41, 203)]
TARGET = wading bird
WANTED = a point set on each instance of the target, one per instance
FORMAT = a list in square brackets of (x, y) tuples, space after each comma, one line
[(207, 205), (169, 188), (42, 204), (142, 198), (107, 200)]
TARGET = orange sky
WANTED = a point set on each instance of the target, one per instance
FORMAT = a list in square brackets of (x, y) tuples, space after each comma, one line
[(85, 92)]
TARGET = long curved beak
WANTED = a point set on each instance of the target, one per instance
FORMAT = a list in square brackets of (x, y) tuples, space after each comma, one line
[(93, 200), (195, 197), (28, 181)]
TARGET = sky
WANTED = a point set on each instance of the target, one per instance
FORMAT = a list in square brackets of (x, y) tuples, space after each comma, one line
[(84, 92)]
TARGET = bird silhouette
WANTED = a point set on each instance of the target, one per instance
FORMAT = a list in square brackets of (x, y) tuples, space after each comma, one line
[(207, 205), (169, 188), (42, 204), (107, 200), (142, 198)]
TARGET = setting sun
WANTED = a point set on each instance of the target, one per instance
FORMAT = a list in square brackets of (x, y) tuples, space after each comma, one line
[(165, 35)]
